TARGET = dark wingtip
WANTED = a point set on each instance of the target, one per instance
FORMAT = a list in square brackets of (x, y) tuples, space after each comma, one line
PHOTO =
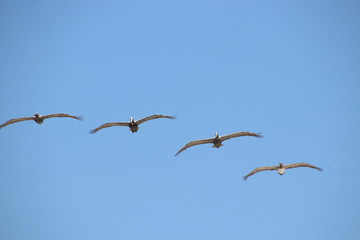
[(92, 131), (173, 117), (80, 118), (244, 178), (259, 135)]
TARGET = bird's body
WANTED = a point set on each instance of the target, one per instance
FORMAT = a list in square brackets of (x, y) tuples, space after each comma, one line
[(39, 119), (281, 168), (217, 140), (132, 124)]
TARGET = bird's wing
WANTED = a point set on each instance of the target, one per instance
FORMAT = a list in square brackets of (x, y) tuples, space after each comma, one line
[(240, 134), (295, 165), (155, 116), (62, 115), (106, 125), (259, 169), (15, 120), (194, 143)]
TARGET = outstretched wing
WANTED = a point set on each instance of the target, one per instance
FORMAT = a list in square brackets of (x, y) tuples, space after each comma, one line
[(15, 120), (295, 165), (155, 116), (62, 115), (259, 169), (240, 134), (194, 143), (106, 125)]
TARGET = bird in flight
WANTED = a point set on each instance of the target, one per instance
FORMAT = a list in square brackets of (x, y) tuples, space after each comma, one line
[(280, 168), (132, 124), (39, 119), (217, 140)]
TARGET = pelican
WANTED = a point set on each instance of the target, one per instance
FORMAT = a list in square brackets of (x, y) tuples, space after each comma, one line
[(133, 125), (217, 140), (39, 119), (281, 168)]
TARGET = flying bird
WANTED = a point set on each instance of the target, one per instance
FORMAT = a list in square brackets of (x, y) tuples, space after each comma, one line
[(281, 168), (217, 140), (133, 125), (39, 119)]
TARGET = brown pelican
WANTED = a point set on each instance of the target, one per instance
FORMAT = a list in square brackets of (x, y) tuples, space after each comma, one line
[(280, 168), (133, 125), (39, 119), (217, 140)]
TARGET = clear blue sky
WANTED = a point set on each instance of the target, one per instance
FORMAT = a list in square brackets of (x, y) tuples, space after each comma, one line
[(287, 69)]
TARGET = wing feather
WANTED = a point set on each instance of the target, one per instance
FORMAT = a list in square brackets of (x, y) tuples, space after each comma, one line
[(194, 143), (62, 115), (106, 125), (155, 116), (240, 134), (15, 120), (303, 164), (259, 169)]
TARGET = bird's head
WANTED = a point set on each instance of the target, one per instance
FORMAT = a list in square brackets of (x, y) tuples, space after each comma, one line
[(36, 115), (281, 165), (217, 135), (132, 120)]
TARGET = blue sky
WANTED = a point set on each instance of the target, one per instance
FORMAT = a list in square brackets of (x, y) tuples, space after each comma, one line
[(287, 69)]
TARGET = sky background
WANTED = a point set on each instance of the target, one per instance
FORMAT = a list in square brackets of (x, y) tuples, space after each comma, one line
[(287, 69)]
